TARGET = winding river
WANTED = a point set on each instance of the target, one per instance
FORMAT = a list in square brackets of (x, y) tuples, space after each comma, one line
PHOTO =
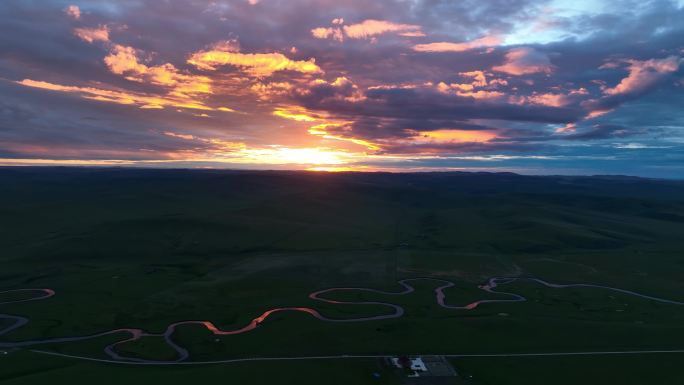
[(182, 354)]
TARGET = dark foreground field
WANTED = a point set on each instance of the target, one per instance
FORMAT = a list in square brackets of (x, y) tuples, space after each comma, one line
[(146, 248)]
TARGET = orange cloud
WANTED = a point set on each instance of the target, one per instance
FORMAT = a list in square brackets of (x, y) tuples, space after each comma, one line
[(482, 94), (487, 41), (568, 128), (143, 101), (597, 113), (91, 35), (643, 74), (267, 91), (479, 78), (216, 145), (322, 131), (256, 64), (449, 135), (303, 156), (328, 33), (220, 150), (180, 136), (123, 60), (474, 89), (468, 90), (296, 113), (524, 61), (365, 30), (73, 11), (369, 28)]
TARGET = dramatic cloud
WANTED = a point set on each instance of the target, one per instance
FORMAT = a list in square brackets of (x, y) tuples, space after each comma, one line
[(351, 85), (124, 61), (644, 76)]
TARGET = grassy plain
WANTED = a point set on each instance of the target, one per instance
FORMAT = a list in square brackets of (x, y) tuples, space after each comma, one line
[(145, 248)]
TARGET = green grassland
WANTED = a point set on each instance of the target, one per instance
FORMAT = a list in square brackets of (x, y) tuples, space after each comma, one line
[(146, 248), (624, 370), (30, 368)]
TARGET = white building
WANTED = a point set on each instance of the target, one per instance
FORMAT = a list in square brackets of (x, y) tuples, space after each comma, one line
[(418, 365)]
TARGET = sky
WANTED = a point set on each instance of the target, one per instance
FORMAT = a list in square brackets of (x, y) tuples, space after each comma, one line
[(536, 87)]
